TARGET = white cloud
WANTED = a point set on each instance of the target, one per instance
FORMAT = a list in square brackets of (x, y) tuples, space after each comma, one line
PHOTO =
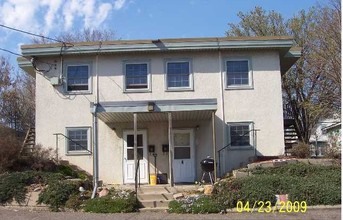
[(118, 4), (47, 16), (18, 13)]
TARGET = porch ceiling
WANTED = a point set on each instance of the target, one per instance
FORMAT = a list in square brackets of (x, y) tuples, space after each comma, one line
[(121, 117), (120, 112)]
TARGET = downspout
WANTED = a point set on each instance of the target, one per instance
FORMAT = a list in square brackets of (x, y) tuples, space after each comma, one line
[(95, 151), (222, 101), (95, 130)]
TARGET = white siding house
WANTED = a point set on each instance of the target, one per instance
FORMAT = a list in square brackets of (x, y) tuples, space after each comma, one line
[(190, 98)]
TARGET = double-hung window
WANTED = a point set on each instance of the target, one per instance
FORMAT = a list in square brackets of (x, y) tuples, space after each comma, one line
[(78, 140), (241, 134), (238, 73), (78, 78), (179, 75), (136, 76)]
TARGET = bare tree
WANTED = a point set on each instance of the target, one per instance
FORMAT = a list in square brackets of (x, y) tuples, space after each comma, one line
[(85, 35), (17, 98)]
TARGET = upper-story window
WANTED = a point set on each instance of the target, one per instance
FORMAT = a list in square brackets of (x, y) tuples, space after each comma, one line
[(238, 73), (136, 76), (179, 76), (78, 77)]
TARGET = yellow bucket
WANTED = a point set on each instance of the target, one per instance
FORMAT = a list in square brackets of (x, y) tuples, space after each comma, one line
[(153, 179)]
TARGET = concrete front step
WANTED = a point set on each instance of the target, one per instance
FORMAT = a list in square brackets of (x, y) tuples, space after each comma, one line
[(157, 197), (156, 190), (154, 203)]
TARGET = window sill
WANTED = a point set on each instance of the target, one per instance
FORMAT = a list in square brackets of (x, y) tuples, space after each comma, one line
[(239, 88), (78, 153), (137, 91), (78, 92), (241, 148), (181, 89)]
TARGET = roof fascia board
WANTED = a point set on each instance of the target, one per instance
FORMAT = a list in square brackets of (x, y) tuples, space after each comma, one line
[(160, 106), (87, 49)]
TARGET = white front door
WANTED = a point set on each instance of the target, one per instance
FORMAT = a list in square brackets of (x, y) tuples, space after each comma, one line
[(183, 164), (129, 165)]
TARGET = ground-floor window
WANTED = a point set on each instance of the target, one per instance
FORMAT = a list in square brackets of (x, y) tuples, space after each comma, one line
[(240, 134), (78, 140)]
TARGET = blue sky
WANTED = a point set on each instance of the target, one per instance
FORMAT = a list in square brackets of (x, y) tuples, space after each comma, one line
[(130, 19)]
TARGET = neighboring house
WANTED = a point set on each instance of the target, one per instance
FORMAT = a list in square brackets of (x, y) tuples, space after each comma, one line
[(326, 137), (188, 98)]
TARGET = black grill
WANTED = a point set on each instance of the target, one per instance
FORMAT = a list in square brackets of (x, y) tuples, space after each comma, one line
[(207, 165)]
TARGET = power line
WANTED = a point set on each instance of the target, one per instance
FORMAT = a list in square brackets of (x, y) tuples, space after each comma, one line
[(32, 34), (14, 53)]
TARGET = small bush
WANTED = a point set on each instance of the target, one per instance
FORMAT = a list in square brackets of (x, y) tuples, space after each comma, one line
[(13, 186), (200, 204), (74, 202), (9, 148), (109, 204), (301, 150), (57, 194), (40, 159), (176, 206)]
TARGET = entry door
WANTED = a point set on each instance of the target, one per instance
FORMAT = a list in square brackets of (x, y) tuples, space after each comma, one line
[(129, 164), (183, 164)]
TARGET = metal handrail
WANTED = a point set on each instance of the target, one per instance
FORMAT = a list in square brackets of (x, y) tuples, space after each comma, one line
[(74, 142), (139, 177)]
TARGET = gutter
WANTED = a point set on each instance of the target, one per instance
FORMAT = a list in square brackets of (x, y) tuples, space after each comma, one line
[(50, 50)]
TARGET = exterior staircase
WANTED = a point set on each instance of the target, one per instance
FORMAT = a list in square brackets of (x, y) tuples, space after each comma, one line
[(155, 197), (290, 135), (29, 142)]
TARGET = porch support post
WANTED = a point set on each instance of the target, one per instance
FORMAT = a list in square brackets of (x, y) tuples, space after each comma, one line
[(135, 147), (214, 145), (171, 149)]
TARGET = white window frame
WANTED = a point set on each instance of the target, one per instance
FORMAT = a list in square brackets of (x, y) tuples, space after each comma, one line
[(251, 135), (89, 90), (250, 74), (191, 78), (78, 152), (147, 62)]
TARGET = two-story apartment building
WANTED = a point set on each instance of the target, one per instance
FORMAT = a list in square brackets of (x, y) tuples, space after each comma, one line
[(182, 99)]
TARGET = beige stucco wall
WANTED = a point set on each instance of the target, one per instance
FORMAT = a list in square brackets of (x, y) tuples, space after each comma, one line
[(262, 105)]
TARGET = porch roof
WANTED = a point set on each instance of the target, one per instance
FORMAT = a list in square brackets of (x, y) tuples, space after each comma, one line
[(154, 110)]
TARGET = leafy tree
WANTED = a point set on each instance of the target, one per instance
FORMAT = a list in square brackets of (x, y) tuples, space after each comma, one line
[(312, 86)]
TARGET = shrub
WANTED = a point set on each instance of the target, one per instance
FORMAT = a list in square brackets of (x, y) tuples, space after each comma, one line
[(56, 194), (39, 159), (9, 148), (199, 204), (110, 204), (13, 185), (206, 204), (317, 185), (301, 150), (74, 202), (177, 206)]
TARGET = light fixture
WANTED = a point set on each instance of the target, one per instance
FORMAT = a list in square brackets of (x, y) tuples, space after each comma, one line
[(151, 106)]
